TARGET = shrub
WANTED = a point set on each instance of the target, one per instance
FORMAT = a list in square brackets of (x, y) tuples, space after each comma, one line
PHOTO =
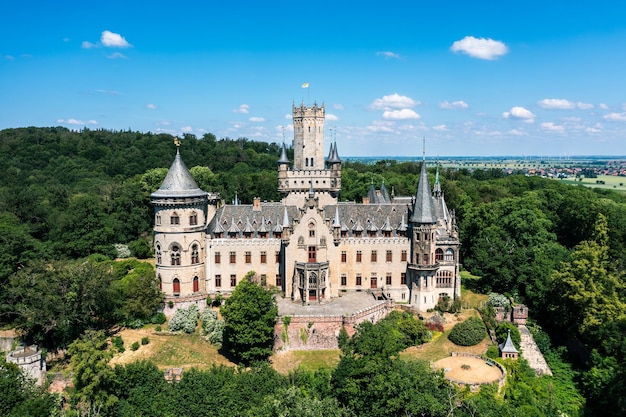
[(134, 324), (185, 319), (468, 333), (158, 328), (122, 250), (493, 352), (134, 346), (499, 300), (158, 318), (434, 327), (145, 340), (502, 331), (212, 327), (118, 343)]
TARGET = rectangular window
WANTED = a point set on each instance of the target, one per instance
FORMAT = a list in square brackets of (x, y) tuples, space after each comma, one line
[(263, 257), (277, 257), (344, 256), (218, 281), (248, 257), (388, 279), (373, 281), (218, 257), (344, 280), (233, 280), (233, 257), (311, 233), (358, 256), (263, 280), (158, 219), (279, 281), (312, 254), (358, 279), (403, 256), (374, 256), (389, 256), (403, 278), (193, 219)]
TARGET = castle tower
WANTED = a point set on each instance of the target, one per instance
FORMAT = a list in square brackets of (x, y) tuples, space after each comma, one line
[(308, 137), (310, 171), (181, 211), (422, 266)]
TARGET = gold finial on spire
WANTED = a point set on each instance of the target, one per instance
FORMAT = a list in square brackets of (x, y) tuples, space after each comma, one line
[(177, 142)]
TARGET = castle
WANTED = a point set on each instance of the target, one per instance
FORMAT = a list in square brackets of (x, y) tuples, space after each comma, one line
[(310, 245)]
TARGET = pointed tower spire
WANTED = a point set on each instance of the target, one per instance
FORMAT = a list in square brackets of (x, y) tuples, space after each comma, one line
[(336, 222), (285, 218), (423, 209), (284, 160), (178, 182)]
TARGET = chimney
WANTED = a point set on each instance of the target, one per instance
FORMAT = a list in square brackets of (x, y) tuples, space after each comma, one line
[(256, 205)]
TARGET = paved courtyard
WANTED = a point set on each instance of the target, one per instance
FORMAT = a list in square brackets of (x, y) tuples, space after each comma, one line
[(347, 303)]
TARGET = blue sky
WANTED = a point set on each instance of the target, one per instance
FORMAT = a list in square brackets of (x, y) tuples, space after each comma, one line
[(474, 78)]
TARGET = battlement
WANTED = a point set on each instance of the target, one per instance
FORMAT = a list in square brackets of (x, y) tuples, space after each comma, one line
[(304, 111)]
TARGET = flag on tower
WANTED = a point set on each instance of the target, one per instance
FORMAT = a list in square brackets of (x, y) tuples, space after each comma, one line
[(305, 85)]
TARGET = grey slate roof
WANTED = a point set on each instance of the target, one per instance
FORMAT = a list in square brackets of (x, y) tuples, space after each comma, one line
[(243, 218), (283, 156), (333, 155), (508, 346), (178, 182), (424, 209)]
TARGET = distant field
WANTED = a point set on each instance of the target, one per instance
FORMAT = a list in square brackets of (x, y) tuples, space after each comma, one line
[(611, 182)]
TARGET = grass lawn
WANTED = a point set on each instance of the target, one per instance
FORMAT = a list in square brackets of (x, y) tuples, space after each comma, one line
[(611, 182), (311, 360)]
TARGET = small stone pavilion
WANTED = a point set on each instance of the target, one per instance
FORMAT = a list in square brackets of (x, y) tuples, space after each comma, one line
[(508, 349)]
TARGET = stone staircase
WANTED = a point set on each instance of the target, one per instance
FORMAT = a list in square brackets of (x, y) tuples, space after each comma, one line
[(531, 352)]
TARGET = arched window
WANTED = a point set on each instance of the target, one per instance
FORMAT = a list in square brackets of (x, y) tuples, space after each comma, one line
[(311, 161), (193, 219), (174, 219), (158, 254), (449, 255), (439, 255), (195, 254), (160, 282), (176, 285), (196, 284), (175, 255), (306, 162)]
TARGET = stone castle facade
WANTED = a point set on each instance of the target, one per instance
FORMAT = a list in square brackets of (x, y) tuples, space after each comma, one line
[(310, 245)]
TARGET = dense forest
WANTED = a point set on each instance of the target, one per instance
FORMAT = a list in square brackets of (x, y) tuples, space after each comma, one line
[(70, 202)]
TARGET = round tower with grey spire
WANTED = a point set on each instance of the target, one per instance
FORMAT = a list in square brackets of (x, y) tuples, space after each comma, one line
[(181, 210)]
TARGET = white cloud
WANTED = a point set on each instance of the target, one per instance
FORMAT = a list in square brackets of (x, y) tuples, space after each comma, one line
[(88, 45), (164, 123), (331, 117), (593, 130), (404, 114), (388, 54), (519, 113), (288, 116), (113, 40), (454, 105), (393, 101), (517, 132), (151, 106), (116, 55), (338, 106), (243, 108), (561, 103), (552, 127), (441, 128), (572, 119), (615, 117), (482, 48), (257, 119), (603, 106), (186, 129), (73, 121)]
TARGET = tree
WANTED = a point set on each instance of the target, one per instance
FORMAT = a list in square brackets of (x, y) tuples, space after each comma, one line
[(20, 396), (93, 377), (249, 318), (503, 330)]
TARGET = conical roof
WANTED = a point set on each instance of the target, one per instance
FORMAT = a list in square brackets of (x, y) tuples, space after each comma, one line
[(283, 156), (424, 209), (508, 346), (178, 182), (333, 155), (384, 195)]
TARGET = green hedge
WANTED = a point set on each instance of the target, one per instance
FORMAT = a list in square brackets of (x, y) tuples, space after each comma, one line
[(468, 333)]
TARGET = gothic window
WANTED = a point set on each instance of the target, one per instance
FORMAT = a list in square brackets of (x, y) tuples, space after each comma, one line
[(196, 284), (195, 254), (449, 255), (160, 282), (311, 161), (158, 254), (439, 255), (175, 255), (193, 219), (218, 281), (174, 219), (312, 233), (158, 219), (389, 256), (176, 285), (312, 279), (403, 256)]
